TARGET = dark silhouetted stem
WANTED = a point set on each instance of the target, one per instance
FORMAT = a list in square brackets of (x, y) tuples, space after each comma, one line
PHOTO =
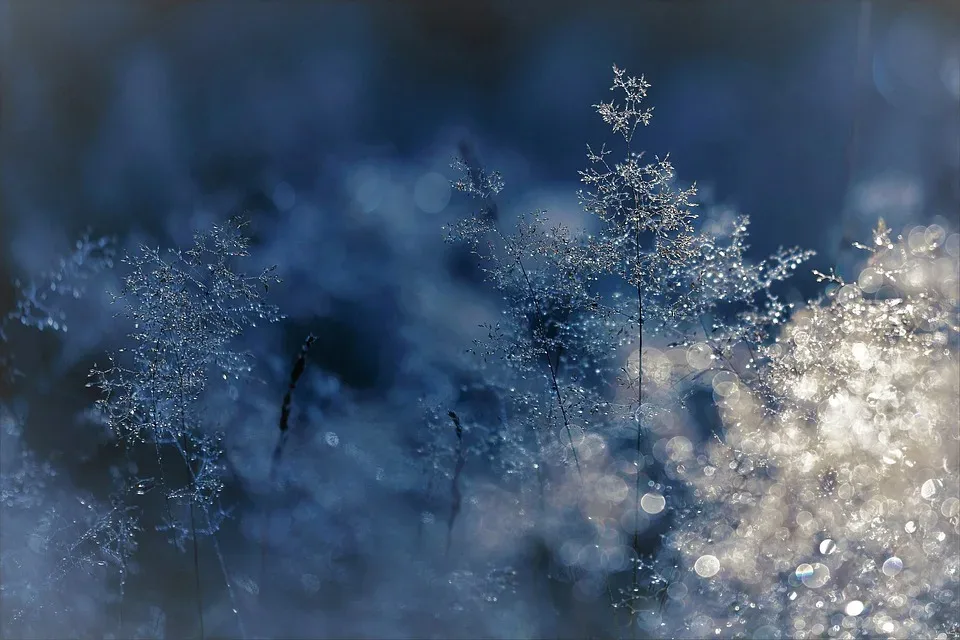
[(298, 368), (455, 496)]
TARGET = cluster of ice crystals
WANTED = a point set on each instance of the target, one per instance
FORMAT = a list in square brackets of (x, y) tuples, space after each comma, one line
[(832, 498), (187, 309), (38, 302), (590, 403)]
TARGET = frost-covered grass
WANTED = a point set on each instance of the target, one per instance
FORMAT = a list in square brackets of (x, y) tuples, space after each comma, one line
[(644, 440)]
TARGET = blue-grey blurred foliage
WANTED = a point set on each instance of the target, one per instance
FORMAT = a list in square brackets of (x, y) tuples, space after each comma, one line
[(331, 125)]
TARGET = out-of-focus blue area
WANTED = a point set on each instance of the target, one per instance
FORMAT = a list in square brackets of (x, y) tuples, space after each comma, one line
[(117, 114)]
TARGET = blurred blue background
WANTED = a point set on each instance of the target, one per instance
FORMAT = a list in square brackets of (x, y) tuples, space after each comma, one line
[(115, 114)]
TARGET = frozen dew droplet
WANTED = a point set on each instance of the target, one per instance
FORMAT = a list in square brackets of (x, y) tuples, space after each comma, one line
[(929, 489), (892, 566), (652, 503), (707, 566), (853, 608), (910, 527), (331, 439), (828, 546), (144, 486)]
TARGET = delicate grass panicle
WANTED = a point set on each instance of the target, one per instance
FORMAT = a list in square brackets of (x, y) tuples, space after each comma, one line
[(579, 305)]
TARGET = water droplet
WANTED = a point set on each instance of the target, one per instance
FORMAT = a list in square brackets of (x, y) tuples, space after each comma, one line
[(828, 546), (707, 566), (892, 566), (652, 503), (848, 294), (910, 527), (142, 490), (813, 575), (853, 608)]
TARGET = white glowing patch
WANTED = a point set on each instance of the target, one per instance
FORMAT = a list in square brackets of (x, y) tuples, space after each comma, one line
[(707, 566), (807, 387), (652, 503), (861, 353), (853, 608)]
